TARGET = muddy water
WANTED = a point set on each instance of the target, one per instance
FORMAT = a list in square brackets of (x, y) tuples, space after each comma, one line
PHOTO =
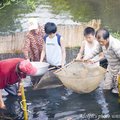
[(61, 103)]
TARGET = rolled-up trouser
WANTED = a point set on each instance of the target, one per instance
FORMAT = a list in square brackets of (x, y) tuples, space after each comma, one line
[(12, 89), (110, 81)]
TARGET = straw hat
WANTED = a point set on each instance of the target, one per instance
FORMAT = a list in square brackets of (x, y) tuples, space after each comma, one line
[(33, 24)]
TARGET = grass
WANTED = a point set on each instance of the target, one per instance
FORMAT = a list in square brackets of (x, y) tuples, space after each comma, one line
[(116, 35)]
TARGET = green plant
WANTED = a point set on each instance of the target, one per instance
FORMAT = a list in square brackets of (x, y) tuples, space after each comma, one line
[(116, 35)]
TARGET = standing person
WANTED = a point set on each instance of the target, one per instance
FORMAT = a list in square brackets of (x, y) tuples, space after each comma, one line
[(88, 46), (54, 53), (34, 41), (53, 48), (11, 72), (111, 49)]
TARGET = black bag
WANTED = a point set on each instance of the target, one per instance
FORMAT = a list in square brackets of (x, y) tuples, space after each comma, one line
[(104, 63)]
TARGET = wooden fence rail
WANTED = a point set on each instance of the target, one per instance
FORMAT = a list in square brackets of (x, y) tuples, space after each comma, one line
[(72, 34)]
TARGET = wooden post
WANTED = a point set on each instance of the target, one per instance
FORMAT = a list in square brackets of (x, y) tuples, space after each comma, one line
[(24, 102)]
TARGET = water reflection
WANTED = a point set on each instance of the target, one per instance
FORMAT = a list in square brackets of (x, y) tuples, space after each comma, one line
[(102, 102), (49, 104), (61, 103), (13, 109), (14, 16)]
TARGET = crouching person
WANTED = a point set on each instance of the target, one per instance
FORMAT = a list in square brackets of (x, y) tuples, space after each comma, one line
[(11, 72)]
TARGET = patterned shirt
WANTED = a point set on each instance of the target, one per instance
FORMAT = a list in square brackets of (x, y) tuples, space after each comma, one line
[(34, 44)]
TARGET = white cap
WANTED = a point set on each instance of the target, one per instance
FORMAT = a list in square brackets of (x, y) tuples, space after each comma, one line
[(33, 24)]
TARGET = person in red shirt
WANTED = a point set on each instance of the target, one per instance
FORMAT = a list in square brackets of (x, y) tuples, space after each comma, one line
[(11, 72)]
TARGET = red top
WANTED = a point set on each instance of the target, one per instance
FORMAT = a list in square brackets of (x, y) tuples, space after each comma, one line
[(8, 75)]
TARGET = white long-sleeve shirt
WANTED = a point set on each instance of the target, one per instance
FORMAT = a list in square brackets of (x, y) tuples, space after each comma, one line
[(112, 54)]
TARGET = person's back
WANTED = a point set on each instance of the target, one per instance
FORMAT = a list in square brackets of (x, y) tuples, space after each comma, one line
[(11, 72), (53, 46), (8, 71)]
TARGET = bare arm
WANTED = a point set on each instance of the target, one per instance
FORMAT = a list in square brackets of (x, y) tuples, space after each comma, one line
[(63, 51), (97, 51), (81, 51), (101, 56), (43, 53), (2, 105)]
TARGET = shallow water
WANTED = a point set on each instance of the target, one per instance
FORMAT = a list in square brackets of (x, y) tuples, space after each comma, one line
[(61, 103), (14, 17)]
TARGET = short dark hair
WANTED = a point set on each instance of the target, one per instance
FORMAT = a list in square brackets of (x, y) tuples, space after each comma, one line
[(102, 32), (89, 30), (50, 28)]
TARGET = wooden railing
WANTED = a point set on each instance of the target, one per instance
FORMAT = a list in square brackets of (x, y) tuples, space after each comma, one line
[(72, 35)]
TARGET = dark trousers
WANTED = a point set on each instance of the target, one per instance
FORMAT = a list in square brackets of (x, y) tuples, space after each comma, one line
[(12, 89)]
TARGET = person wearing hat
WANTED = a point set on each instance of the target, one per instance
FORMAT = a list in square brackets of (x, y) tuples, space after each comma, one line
[(33, 41), (11, 72)]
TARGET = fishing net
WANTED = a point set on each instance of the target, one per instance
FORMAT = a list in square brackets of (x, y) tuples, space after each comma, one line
[(81, 77), (48, 80)]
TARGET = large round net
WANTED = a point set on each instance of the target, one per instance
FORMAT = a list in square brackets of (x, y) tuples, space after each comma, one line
[(81, 77)]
